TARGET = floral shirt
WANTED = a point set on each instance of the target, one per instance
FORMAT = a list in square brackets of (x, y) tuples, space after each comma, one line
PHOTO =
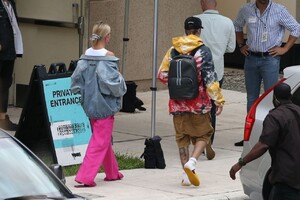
[(208, 87)]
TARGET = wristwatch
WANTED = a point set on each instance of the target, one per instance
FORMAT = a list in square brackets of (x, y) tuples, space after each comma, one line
[(241, 45), (241, 162)]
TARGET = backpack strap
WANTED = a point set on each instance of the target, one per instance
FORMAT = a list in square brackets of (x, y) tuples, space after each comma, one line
[(174, 53), (193, 52)]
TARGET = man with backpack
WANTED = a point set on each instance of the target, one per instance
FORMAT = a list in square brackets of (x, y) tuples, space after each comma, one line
[(191, 108)]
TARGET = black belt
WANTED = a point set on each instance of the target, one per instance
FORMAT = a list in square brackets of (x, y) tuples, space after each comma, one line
[(259, 54)]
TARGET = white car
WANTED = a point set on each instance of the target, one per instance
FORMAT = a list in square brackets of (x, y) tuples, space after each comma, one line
[(24, 176), (254, 175)]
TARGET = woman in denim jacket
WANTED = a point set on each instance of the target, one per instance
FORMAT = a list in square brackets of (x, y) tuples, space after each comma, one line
[(101, 86)]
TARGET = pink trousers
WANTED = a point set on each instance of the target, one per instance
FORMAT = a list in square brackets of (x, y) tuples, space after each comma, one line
[(99, 152)]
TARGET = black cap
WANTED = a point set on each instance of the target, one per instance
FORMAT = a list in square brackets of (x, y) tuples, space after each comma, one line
[(282, 91), (192, 23)]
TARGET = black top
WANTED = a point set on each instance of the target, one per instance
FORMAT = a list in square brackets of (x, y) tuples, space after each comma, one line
[(7, 51), (281, 132)]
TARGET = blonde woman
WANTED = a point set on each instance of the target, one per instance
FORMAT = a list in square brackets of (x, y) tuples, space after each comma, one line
[(101, 86)]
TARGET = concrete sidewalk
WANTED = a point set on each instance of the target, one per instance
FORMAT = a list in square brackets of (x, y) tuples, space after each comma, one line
[(130, 132)]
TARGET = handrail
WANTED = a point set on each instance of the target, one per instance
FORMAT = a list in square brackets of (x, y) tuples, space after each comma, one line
[(48, 22)]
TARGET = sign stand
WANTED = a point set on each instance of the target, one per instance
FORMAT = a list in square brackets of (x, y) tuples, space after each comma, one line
[(52, 123)]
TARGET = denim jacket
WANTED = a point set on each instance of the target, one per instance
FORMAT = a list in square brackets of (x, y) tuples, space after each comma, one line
[(100, 84)]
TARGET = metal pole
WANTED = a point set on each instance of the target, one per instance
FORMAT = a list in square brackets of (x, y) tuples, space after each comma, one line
[(125, 38), (80, 33), (153, 113), (81, 28)]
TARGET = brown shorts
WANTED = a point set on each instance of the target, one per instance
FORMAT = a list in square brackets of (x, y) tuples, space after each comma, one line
[(192, 128)]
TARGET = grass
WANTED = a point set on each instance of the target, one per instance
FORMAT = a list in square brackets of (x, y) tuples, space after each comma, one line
[(125, 162)]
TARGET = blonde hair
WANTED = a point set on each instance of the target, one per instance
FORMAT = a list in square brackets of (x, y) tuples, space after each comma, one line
[(100, 30)]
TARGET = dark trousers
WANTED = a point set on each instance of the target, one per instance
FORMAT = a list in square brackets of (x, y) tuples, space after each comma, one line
[(213, 115), (6, 71), (284, 192)]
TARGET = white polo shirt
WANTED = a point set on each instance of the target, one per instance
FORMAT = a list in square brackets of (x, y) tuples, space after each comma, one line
[(218, 34)]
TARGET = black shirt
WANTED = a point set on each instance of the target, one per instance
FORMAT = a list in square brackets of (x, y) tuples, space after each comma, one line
[(7, 51), (281, 132)]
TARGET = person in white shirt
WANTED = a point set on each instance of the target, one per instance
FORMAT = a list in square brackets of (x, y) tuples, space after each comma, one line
[(219, 35)]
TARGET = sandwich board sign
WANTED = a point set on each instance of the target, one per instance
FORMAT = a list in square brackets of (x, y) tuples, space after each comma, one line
[(53, 119)]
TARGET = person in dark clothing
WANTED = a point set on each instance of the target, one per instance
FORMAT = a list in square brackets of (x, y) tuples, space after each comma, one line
[(281, 136), (11, 46)]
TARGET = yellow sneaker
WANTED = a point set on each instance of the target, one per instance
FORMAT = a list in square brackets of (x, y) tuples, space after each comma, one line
[(189, 169)]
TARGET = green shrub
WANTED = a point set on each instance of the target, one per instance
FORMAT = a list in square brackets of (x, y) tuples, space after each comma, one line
[(125, 161)]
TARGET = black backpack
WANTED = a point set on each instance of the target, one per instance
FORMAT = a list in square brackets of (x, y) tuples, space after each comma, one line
[(183, 80), (153, 154), (130, 100)]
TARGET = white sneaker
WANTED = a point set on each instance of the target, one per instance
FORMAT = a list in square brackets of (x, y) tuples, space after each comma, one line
[(189, 169), (185, 180)]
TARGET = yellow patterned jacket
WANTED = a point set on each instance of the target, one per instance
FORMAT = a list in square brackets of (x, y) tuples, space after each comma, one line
[(208, 87)]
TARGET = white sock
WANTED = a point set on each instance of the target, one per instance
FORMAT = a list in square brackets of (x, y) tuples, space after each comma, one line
[(194, 160), (185, 179)]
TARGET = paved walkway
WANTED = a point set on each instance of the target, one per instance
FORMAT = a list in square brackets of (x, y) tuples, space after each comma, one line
[(131, 129)]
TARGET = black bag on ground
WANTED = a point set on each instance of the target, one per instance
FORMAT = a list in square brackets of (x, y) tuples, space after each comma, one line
[(130, 100), (153, 154), (183, 76)]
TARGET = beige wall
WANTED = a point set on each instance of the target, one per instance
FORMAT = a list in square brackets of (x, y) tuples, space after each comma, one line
[(47, 44), (44, 9), (230, 9), (139, 59)]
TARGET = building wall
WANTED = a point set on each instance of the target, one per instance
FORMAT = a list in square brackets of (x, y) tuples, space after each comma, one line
[(230, 9), (138, 57), (45, 44), (139, 51), (49, 44)]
